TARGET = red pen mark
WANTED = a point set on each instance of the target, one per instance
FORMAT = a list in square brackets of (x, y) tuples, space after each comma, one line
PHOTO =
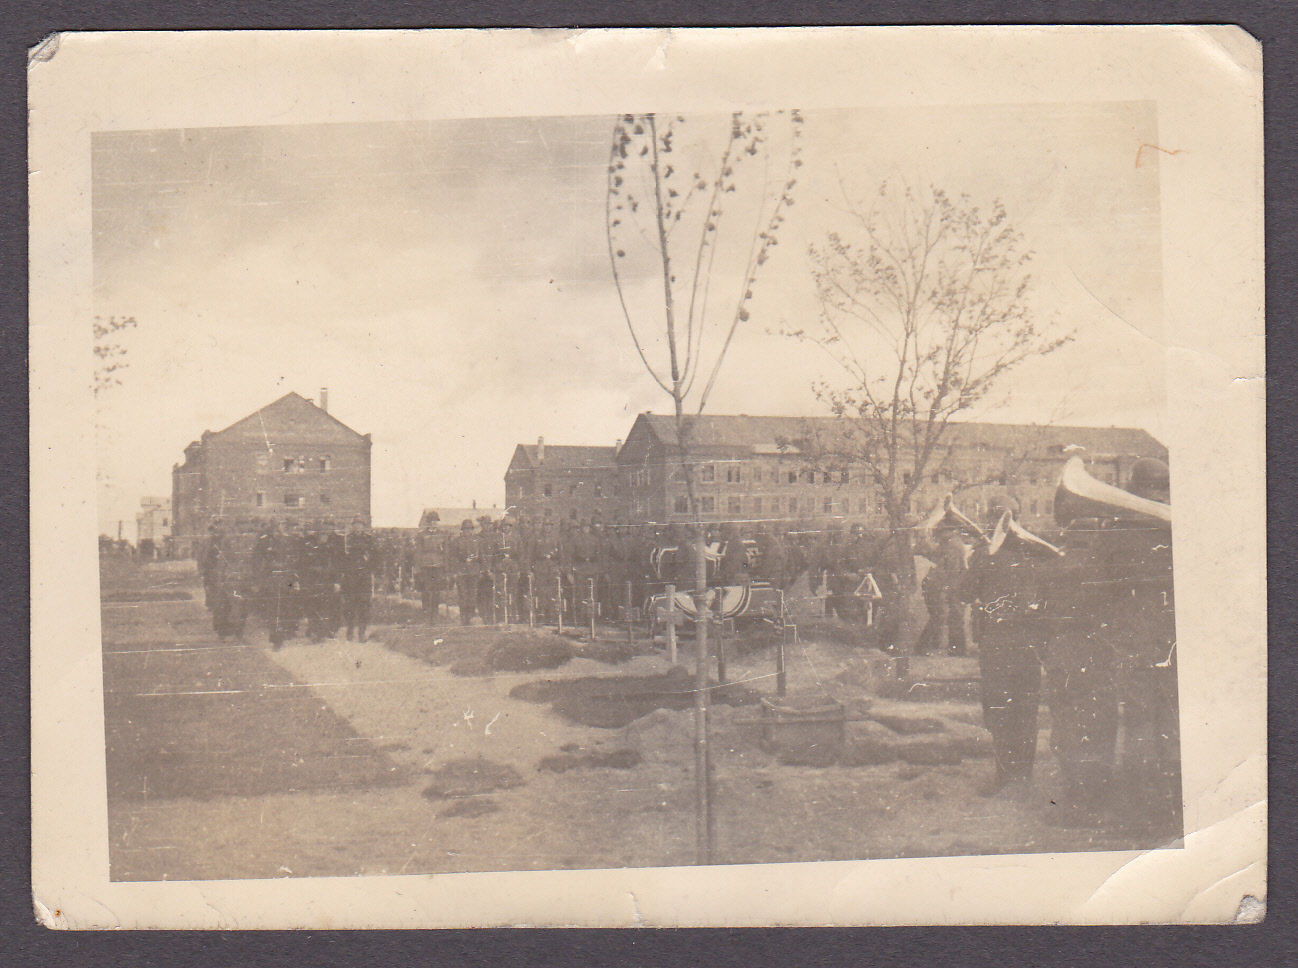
[(1166, 151)]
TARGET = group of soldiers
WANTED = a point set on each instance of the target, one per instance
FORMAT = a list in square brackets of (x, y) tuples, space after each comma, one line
[(289, 575), (519, 569), (1092, 620)]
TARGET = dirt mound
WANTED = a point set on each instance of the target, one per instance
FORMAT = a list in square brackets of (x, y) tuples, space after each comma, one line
[(469, 808), (470, 778), (516, 652), (614, 653), (611, 702), (478, 650), (623, 759), (910, 725)]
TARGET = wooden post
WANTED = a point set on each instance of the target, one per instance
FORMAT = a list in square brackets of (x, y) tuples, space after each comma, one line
[(721, 649), (781, 680), (558, 602), (591, 605), (705, 824), (671, 624), (531, 604), (630, 631), (504, 595)]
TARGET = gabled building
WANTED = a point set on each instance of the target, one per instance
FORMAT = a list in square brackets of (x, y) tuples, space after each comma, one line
[(289, 460), (763, 468), (563, 482)]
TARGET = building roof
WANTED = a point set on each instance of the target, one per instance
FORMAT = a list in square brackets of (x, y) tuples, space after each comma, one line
[(739, 434), (291, 408), (563, 456)]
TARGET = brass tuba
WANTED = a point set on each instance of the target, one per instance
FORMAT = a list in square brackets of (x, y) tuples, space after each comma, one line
[(1079, 495)]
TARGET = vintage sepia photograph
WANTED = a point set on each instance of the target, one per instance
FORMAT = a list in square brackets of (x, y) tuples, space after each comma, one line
[(579, 478), (633, 491)]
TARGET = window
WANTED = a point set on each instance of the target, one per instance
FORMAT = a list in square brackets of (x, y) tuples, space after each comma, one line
[(824, 478), (793, 505), (599, 490), (757, 507), (325, 464), (829, 505), (573, 514), (708, 505), (709, 473), (732, 473), (793, 477), (292, 500), (261, 500), (681, 505), (288, 465), (300, 466), (844, 477), (547, 490), (847, 506), (734, 506), (324, 498), (906, 478), (937, 477), (809, 477)]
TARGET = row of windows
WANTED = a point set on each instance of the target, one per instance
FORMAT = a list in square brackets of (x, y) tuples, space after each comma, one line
[(298, 465), (292, 499), (757, 506)]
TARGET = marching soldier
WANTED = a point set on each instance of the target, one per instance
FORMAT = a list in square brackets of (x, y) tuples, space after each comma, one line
[(357, 578)]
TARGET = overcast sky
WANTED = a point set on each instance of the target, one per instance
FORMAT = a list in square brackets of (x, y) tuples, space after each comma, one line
[(449, 281)]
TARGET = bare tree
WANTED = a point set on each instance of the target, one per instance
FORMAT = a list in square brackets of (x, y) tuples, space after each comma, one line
[(924, 309), (109, 352), (684, 220)]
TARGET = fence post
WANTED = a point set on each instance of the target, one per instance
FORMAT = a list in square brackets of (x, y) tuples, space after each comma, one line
[(630, 630), (531, 604), (591, 606), (671, 624), (558, 602)]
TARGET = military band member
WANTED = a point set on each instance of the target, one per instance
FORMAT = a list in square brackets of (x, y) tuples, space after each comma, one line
[(429, 563), (1009, 575), (1112, 667)]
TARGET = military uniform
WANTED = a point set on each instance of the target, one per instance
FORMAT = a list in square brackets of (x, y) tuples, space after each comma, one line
[(276, 559), (320, 573), (429, 561), (358, 552), (1008, 579), (465, 554)]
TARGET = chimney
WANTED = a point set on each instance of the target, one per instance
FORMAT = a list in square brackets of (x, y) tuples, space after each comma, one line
[(540, 450), (617, 448), (324, 399)]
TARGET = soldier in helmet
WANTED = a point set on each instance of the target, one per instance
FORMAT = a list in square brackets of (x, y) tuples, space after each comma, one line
[(430, 565), (466, 561)]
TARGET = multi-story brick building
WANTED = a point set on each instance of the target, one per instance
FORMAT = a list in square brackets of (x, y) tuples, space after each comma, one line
[(766, 468), (549, 481), (290, 459)]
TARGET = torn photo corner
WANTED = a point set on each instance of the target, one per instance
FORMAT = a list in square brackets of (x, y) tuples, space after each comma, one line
[(508, 477)]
